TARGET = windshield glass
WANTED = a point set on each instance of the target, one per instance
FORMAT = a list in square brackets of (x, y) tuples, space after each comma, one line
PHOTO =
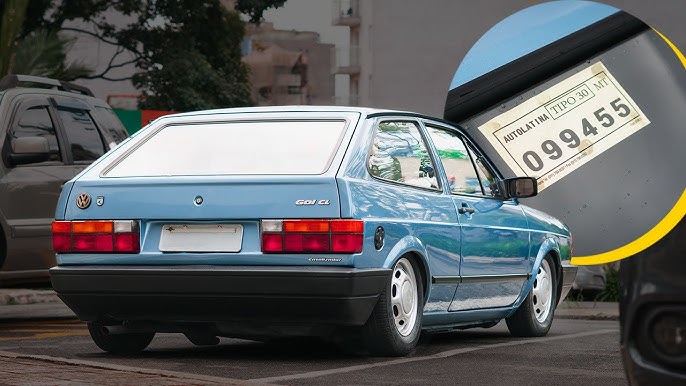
[(244, 148)]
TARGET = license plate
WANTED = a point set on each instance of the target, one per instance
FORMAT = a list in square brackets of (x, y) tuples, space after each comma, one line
[(201, 238)]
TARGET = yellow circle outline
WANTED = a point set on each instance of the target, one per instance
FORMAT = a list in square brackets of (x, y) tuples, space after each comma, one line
[(654, 235)]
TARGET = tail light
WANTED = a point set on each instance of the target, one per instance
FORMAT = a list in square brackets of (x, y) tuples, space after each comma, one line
[(119, 236), (312, 236)]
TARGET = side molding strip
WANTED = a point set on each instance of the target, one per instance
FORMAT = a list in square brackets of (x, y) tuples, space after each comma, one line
[(478, 279)]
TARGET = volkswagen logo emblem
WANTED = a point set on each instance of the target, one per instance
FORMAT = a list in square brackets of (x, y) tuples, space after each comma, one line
[(83, 200)]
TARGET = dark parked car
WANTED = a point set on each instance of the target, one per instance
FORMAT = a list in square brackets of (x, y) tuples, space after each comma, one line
[(50, 131), (653, 312)]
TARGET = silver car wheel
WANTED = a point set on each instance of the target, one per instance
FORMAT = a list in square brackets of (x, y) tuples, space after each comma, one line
[(542, 292), (404, 297)]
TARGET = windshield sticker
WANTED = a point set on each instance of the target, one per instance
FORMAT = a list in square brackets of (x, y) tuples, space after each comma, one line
[(554, 133)]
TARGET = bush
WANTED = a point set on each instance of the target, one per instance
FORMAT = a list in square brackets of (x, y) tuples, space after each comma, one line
[(611, 291)]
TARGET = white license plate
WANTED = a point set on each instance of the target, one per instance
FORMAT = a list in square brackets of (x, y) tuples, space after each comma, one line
[(201, 238)]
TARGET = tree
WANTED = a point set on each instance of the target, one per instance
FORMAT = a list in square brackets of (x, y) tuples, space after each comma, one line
[(43, 53), (255, 8), (187, 52), (12, 12), (193, 59)]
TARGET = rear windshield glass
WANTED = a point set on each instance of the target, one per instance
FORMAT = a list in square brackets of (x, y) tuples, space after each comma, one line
[(267, 147)]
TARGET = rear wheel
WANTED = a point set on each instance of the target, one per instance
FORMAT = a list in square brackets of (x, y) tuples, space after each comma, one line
[(535, 315), (395, 324), (119, 343)]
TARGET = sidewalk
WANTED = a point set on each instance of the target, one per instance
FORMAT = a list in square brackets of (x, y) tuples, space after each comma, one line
[(20, 369), (44, 304)]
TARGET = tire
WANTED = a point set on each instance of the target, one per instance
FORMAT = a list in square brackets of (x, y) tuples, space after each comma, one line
[(395, 323), (119, 343), (535, 315)]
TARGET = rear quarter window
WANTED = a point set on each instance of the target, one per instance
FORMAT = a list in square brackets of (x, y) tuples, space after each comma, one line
[(112, 123), (240, 148)]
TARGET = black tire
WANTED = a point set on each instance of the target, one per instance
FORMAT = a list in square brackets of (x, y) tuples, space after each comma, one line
[(119, 343), (530, 320), (386, 334)]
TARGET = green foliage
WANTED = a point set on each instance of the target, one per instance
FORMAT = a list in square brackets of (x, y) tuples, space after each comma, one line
[(12, 12), (187, 51), (33, 52), (611, 291), (192, 60), (255, 8), (44, 54)]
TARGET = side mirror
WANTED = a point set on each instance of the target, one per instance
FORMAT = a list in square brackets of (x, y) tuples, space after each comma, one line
[(518, 187), (28, 150)]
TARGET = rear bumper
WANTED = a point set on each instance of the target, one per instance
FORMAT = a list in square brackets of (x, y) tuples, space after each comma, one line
[(311, 295)]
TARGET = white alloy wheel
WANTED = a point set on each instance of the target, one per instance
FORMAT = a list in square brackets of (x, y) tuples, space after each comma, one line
[(535, 314), (404, 297), (542, 292), (395, 324)]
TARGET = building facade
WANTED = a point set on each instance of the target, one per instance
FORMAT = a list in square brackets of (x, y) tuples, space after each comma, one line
[(403, 53)]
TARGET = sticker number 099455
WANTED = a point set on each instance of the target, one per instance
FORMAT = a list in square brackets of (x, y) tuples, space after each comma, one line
[(550, 135)]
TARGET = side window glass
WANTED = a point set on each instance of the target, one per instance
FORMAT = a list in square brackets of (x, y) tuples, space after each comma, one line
[(86, 144), (399, 154), (485, 174), (112, 124), (456, 161), (35, 122)]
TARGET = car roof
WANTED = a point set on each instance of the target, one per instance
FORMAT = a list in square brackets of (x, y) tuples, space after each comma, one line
[(48, 91), (333, 111), (285, 109)]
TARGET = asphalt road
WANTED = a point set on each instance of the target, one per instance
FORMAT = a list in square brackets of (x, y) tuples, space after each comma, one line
[(575, 352)]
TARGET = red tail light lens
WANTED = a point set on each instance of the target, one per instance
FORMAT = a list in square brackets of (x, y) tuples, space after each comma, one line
[(118, 236), (312, 236), (346, 243)]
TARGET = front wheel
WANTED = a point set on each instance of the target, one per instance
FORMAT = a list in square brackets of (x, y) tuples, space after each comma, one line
[(395, 324), (535, 315), (119, 343)]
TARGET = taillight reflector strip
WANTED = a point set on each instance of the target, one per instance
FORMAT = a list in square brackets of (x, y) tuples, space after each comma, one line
[(312, 236), (97, 236), (306, 226)]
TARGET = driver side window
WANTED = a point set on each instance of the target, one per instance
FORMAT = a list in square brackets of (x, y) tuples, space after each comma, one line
[(467, 173), (35, 122)]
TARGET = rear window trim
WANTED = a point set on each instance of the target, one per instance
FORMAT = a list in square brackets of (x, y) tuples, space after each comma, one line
[(154, 132)]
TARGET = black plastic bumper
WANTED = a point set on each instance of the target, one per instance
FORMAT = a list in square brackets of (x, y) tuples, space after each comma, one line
[(312, 295)]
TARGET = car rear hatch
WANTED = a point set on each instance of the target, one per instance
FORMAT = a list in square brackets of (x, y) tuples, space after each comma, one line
[(203, 206)]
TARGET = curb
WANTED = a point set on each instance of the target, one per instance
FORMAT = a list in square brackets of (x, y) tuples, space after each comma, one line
[(588, 310), (12, 297)]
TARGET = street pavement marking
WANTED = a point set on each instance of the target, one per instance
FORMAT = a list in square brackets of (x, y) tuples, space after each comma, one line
[(45, 335), (440, 355), (130, 369), (41, 330)]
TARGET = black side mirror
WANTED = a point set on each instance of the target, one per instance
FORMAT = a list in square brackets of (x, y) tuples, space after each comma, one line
[(518, 187)]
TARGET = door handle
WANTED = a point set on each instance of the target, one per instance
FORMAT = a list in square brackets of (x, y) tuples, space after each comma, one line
[(464, 209)]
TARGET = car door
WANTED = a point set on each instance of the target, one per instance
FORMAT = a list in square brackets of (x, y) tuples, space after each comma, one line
[(29, 188), (86, 142), (407, 193), (494, 235)]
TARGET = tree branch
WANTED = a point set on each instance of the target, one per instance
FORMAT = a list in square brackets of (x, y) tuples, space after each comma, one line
[(102, 38), (112, 79)]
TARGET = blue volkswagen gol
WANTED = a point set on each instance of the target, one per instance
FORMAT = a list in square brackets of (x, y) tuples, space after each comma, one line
[(295, 221)]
